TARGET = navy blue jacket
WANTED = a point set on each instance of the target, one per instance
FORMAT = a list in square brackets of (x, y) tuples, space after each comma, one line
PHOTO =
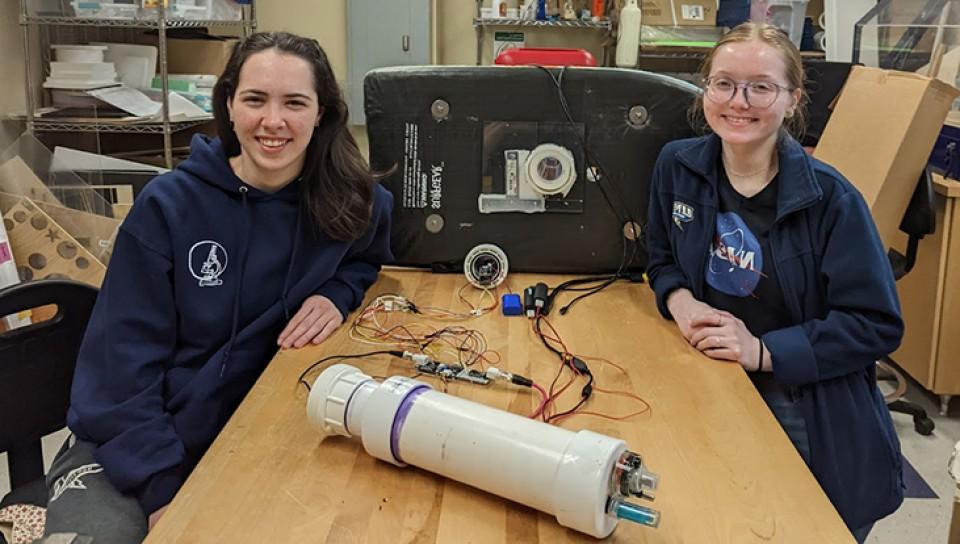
[(205, 273), (839, 289)]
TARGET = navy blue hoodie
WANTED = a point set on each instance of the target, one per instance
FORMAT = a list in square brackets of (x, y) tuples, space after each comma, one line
[(839, 289), (205, 273)]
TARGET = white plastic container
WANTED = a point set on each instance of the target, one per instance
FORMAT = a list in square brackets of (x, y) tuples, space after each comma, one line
[(628, 38), (788, 16), (78, 53), (92, 68), (576, 476)]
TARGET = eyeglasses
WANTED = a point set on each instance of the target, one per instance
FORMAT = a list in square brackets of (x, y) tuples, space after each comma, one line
[(758, 94)]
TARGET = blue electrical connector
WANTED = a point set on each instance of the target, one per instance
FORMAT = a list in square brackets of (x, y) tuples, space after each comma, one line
[(510, 303)]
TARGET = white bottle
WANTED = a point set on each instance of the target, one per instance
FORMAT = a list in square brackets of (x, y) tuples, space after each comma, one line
[(628, 40)]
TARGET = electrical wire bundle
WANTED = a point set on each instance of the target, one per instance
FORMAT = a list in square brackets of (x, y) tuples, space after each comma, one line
[(425, 346), (381, 324), (578, 369)]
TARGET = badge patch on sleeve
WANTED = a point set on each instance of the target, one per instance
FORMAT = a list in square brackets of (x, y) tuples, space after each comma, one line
[(682, 213)]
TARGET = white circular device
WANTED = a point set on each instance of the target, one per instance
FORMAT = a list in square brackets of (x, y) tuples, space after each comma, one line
[(551, 169), (485, 266)]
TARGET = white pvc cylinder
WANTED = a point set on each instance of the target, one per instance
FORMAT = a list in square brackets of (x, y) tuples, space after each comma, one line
[(403, 421)]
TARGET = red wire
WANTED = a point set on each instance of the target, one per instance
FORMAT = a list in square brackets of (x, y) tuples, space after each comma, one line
[(543, 401), (567, 360), (597, 414)]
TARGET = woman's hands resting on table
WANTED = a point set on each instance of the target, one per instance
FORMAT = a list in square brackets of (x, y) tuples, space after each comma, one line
[(718, 334), (313, 323)]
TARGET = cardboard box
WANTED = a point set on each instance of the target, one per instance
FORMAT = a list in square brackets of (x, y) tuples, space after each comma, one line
[(679, 12), (880, 135), (199, 56)]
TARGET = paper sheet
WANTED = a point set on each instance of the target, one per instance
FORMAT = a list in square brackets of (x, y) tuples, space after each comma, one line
[(65, 158), (129, 100)]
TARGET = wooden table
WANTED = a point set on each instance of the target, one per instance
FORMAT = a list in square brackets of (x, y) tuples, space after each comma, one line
[(728, 472)]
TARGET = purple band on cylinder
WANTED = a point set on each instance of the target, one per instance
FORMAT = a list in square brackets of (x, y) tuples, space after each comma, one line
[(401, 416)]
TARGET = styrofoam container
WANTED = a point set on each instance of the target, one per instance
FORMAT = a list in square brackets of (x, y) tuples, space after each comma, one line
[(82, 84), (133, 73), (87, 67), (788, 15), (74, 75), (78, 53)]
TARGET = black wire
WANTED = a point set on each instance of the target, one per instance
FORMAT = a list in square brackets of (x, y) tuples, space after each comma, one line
[(536, 325), (558, 83), (569, 285), (601, 179), (591, 159), (586, 391), (583, 400), (595, 290), (310, 368)]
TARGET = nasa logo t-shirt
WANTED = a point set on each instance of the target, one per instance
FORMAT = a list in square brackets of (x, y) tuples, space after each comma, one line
[(739, 273), (736, 257)]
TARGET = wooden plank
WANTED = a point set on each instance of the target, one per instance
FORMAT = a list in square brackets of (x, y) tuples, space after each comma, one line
[(728, 472), (93, 231), (44, 249), (920, 294), (946, 187), (947, 381)]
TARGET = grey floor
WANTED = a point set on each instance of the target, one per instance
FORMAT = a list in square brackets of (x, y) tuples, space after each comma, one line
[(918, 521), (924, 521)]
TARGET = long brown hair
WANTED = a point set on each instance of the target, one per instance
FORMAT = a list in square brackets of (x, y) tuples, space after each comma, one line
[(336, 182), (796, 124)]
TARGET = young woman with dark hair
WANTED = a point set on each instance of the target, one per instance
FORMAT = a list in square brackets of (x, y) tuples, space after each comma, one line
[(266, 236)]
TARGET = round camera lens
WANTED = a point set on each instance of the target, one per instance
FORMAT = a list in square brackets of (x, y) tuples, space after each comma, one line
[(550, 168), (486, 267)]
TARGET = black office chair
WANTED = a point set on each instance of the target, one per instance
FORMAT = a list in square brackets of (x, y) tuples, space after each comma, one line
[(918, 221), (36, 371)]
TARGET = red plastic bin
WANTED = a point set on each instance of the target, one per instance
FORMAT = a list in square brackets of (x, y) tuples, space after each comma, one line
[(545, 56)]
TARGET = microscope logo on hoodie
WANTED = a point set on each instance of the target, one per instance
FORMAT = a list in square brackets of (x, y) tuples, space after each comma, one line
[(207, 262)]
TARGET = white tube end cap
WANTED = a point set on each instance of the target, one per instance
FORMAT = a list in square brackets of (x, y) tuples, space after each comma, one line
[(330, 395)]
